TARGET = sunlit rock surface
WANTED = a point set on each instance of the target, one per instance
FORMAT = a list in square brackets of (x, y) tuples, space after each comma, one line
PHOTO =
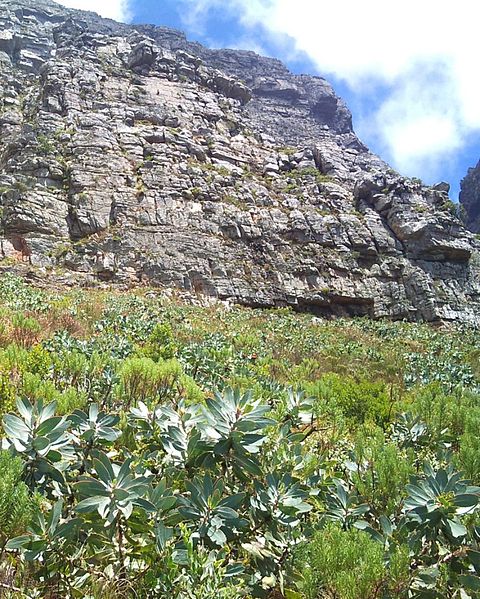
[(129, 155)]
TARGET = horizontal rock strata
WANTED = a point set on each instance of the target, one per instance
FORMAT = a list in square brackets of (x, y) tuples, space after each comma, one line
[(130, 155)]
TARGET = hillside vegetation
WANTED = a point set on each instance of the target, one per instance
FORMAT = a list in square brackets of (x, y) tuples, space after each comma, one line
[(154, 448)]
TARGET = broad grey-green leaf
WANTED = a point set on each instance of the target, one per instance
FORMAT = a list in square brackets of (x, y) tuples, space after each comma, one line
[(470, 582), (40, 443), (162, 535), (103, 462), (466, 500), (91, 487), (456, 529), (92, 504), (15, 427), (18, 542)]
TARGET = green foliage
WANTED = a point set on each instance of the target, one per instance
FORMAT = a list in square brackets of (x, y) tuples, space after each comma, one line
[(216, 516), (16, 503), (380, 471), (7, 394), (343, 564), (358, 400), (34, 387), (234, 424), (436, 502), (180, 451), (142, 379), (342, 505), (46, 145), (39, 437), (113, 492), (16, 294), (39, 361), (309, 172), (14, 359), (25, 330), (451, 207), (160, 344), (468, 459), (195, 572)]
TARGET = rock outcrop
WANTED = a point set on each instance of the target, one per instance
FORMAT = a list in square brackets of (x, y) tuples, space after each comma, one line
[(470, 198), (130, 155)]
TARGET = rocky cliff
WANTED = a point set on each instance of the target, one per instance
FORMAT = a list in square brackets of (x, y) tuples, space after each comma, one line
[(130, 155), (470, 199)]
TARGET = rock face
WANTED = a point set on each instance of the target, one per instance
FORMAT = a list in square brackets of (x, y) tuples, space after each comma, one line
[(470, 198), (130, 155)]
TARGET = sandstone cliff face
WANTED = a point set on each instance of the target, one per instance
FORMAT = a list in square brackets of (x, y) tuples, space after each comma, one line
[(129, 155), (470, 198)]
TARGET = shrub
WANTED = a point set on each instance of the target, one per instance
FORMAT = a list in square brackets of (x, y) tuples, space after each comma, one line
[(70, 368), (16, 503), (190, 391), (17, 294), (383, 471), (344, 565), (468, 459), (14, 360), (25, 330), (39, 360), (34, 387), (160, 345), (7, 394), (444, 413), (142, 379), (200, 575), (71, 399), (359, 401)]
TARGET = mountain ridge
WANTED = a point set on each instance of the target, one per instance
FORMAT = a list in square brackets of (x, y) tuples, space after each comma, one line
[(129, 155)]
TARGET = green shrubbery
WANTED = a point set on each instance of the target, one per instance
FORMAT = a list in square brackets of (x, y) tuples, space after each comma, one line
[(349, 565), (468, 458), (165, 450), (148, 381), (359, 400), (160, 344), (381, 470), (17, 505)]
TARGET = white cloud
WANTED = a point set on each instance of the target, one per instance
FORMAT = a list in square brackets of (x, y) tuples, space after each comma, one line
[(412, 64), (111, 9)]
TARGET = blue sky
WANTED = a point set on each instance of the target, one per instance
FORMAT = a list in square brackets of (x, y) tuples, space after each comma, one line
[(408, 70)]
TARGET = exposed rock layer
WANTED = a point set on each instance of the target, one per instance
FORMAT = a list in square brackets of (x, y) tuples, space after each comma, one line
[(470, 198), (130, 155)]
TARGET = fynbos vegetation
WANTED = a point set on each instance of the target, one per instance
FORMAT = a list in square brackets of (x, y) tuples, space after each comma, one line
[(157, 449)]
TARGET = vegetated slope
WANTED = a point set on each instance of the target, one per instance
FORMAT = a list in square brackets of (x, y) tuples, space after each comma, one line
[(129, 155), (218, 451), (470, 198)]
